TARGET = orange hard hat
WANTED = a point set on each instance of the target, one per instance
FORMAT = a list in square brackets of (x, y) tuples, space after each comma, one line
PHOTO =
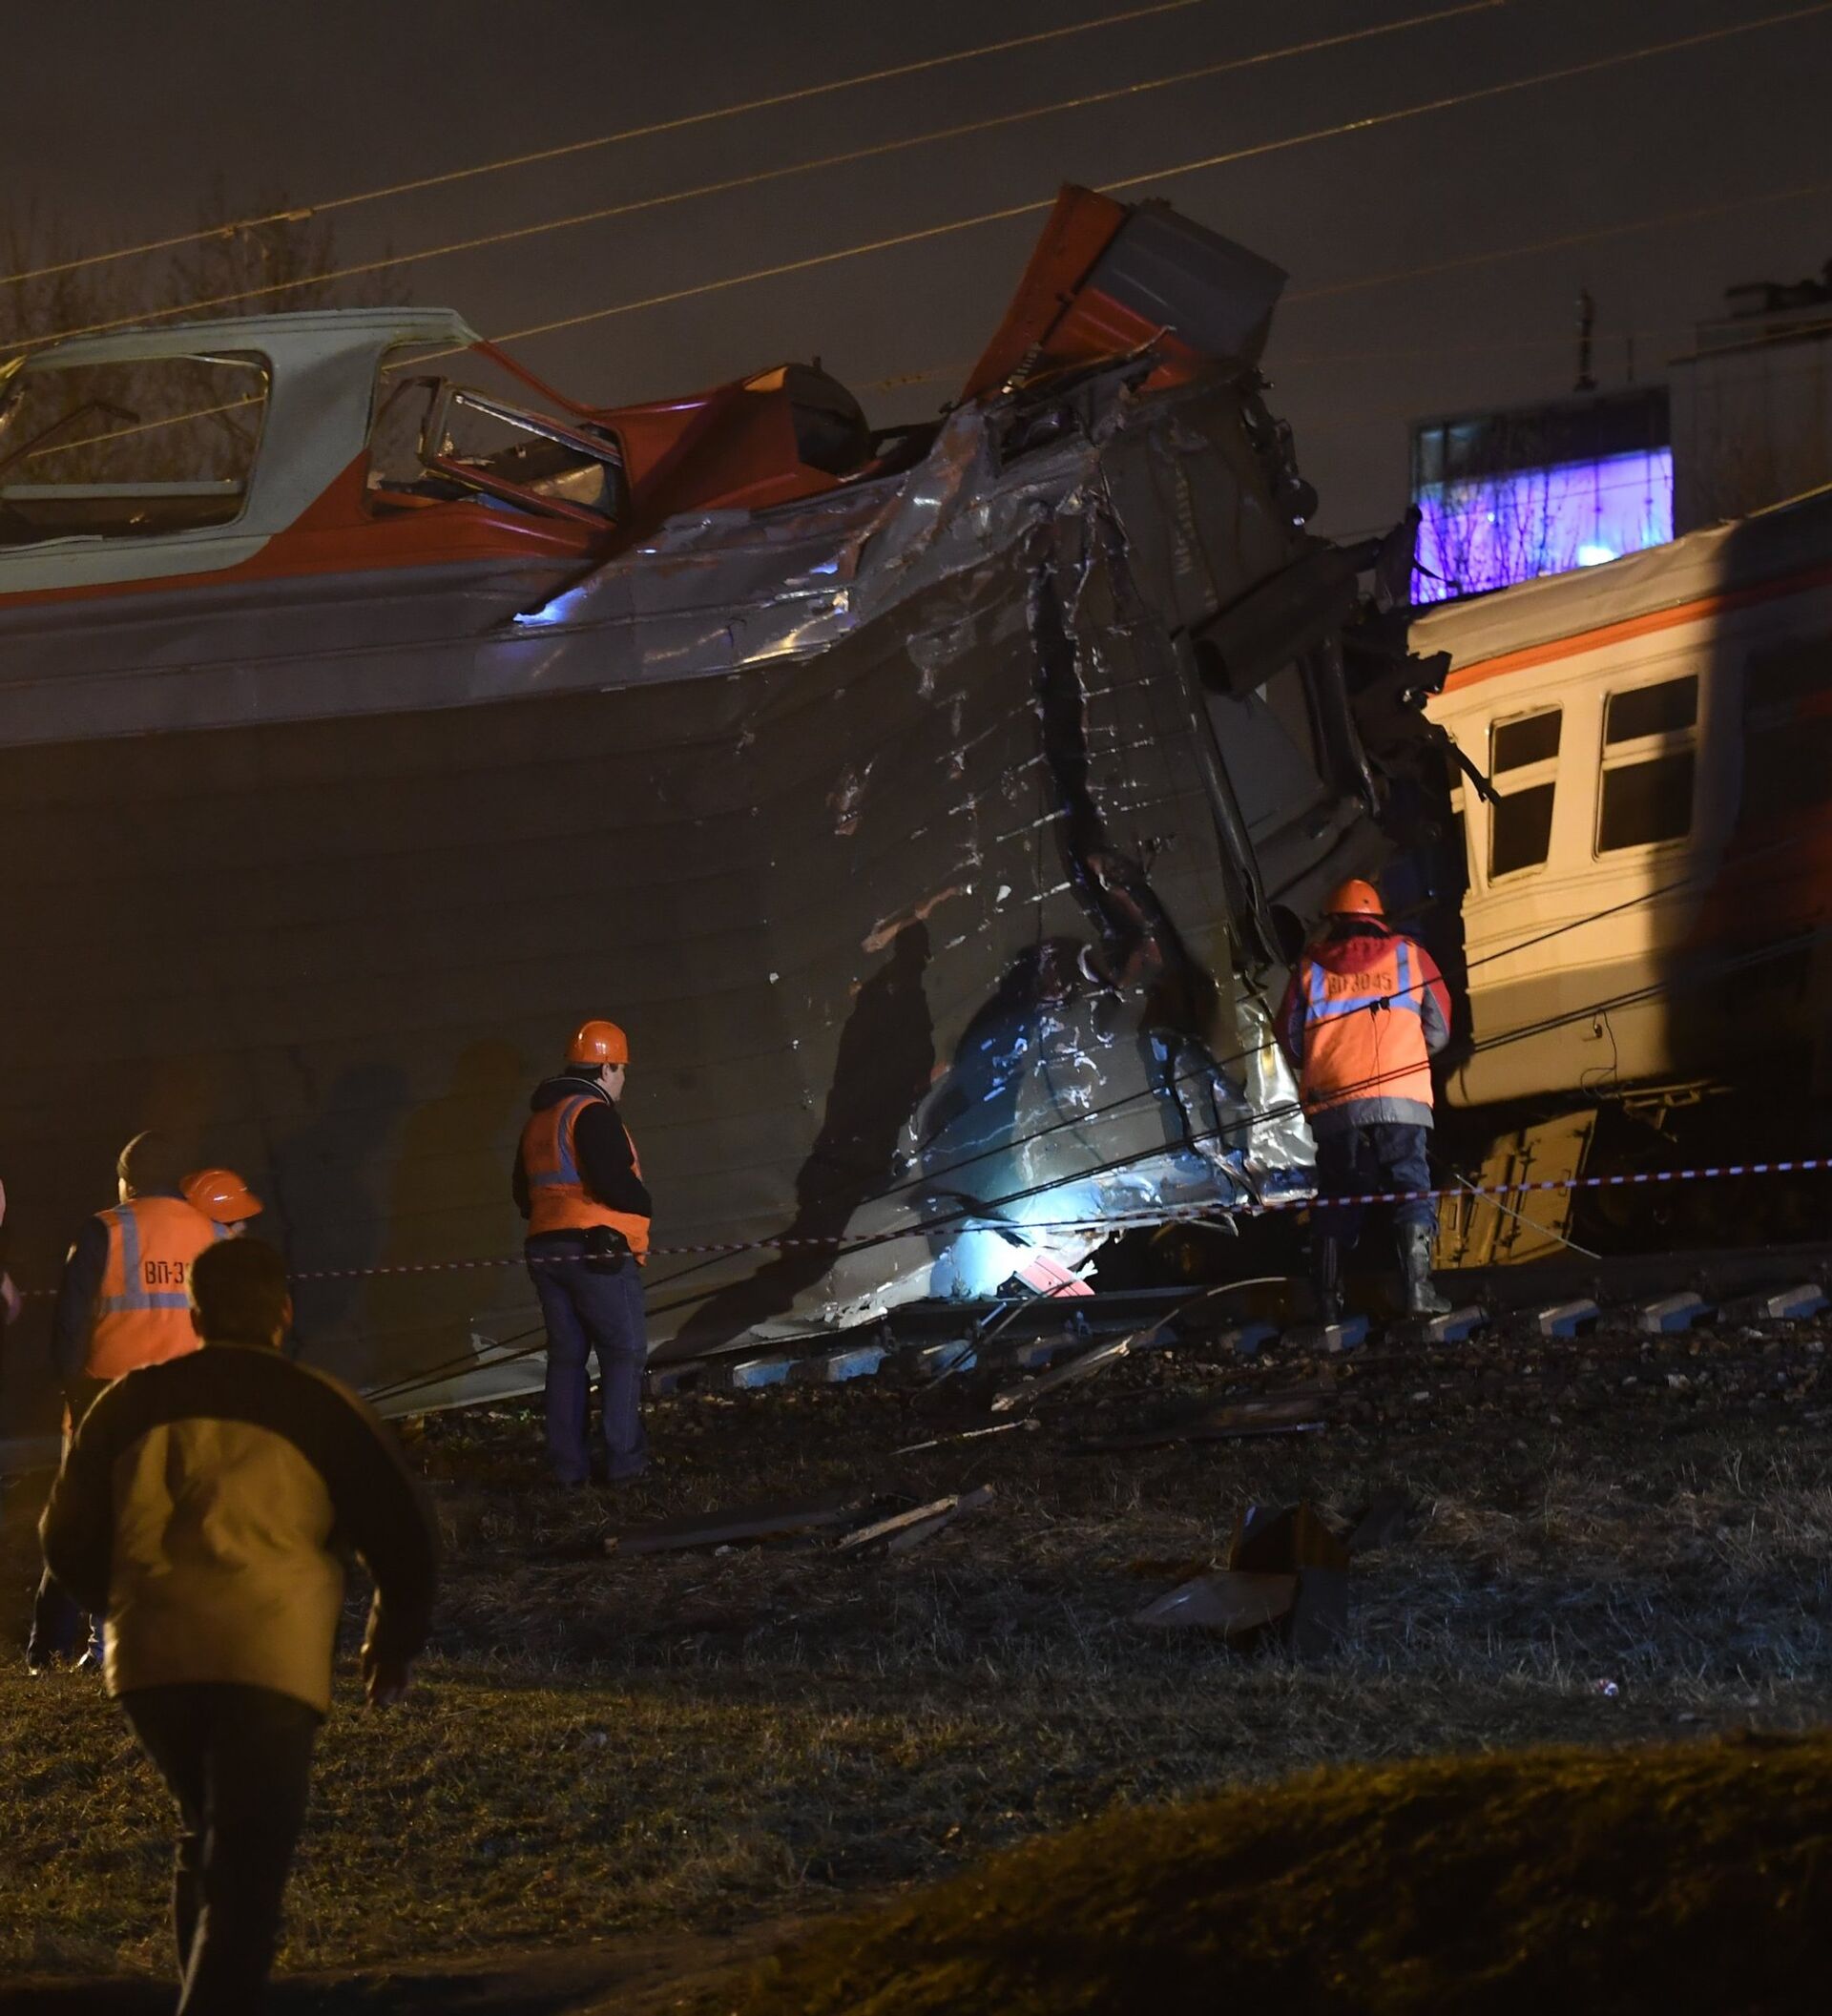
[(222, 1195), (599, 1043), (1354, 897)]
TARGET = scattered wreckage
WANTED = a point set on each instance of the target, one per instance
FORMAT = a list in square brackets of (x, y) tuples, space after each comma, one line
[(936, 806)]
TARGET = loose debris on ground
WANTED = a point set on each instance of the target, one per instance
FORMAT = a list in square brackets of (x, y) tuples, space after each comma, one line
[(1598, 1540)]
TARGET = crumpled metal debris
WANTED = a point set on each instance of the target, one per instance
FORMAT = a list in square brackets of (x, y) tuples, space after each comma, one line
[(1286, 1581)]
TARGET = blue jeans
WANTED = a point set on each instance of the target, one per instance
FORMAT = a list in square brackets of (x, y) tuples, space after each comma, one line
[(589, 1310), (1385, 1154)]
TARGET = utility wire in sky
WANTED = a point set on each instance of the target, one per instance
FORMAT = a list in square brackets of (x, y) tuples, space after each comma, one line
[(1493, 254), (961, 366), (895, 240), (604, 139), (758, 178)]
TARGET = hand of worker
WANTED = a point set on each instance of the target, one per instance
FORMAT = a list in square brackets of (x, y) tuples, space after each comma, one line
[(9, 1302), (384, 1680)]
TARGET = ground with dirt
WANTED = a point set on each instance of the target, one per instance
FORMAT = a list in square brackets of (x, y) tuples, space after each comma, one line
[(1618, 1539)]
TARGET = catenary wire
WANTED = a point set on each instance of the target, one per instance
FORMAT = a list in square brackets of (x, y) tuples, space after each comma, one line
[(566, 149), (1366, 123), (1494, 254), (907, 378), (756, 179)]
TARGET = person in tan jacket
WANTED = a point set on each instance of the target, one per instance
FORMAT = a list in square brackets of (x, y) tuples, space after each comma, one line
[(202, 1509)]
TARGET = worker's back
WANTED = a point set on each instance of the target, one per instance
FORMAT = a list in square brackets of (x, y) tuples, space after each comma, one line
[(230, 1470)]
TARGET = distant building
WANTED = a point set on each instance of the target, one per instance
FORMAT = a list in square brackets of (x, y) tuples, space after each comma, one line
[(1745, 422), (1509, 496), (1752, 404)]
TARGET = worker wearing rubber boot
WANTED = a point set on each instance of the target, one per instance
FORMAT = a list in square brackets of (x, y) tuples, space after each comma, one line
[(579, 1185), (1364, 1013), (124, 1302)]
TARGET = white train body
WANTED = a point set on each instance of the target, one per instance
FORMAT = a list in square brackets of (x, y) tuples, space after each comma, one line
[(1649, 902)]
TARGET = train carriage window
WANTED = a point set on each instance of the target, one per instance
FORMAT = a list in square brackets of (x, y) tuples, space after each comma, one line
[(1788, 732), (1524, 752), (1649, 734), (127, 451)]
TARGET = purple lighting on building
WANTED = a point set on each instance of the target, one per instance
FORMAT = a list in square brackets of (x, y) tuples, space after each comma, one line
[(1491, 531)]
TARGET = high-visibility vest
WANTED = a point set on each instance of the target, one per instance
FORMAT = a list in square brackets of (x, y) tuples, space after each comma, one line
[(558, 1198), (1364, 1033), (144, 1313)]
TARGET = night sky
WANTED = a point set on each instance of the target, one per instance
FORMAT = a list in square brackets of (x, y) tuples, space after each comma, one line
[(119, 116)]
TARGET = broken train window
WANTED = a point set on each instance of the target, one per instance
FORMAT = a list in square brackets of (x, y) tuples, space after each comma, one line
[(433, 437), (1522, 763), (127, 450), (1650, 737)]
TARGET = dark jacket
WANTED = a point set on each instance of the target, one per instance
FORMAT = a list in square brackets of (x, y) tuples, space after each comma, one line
[(606, 1162), (203, 1508), (1352, 945)]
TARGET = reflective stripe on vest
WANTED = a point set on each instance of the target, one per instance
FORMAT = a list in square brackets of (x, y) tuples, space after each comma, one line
[(143, 1312), (558, 1198), (1364, 1033)]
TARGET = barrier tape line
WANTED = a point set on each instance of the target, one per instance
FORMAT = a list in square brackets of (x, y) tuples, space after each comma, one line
[(1636, 1180)]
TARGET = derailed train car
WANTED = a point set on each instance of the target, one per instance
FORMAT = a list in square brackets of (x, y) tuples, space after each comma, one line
[(1650, 885), (933, 806)]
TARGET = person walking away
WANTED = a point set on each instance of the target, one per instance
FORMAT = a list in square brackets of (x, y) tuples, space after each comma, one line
[(122, 1304), (1364, 1013), (579, 1185), (203, 1505), (224, 1198)]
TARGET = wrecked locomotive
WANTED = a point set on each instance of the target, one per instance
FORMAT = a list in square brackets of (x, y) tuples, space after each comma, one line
[(935, 806)]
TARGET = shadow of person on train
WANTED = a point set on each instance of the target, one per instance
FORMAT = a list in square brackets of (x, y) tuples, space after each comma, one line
[(448, 1199), (880, 1070), (328, 1187)]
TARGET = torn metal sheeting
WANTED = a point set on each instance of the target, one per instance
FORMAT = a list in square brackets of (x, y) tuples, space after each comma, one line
[(929, 878), (1236, 1605), (1096, 1360), (1305, 1611), (937, 1441), (738, 1523), (906, 1529)]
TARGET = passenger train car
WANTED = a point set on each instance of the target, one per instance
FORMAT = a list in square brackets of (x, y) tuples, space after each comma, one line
[(1648, 921)]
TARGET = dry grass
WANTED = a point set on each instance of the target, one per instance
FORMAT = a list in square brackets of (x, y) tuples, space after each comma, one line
[(697, 1741), (1676, 1879)]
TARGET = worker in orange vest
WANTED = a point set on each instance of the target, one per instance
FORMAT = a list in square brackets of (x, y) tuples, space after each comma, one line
[(224, 1198), (579, 1185), (124, 1302), (1364, 1013)]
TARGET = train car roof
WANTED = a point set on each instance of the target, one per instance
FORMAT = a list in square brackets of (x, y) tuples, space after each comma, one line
[(1719, 567)]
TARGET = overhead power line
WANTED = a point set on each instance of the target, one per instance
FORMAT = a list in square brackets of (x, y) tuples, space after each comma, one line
[(903, 378), (1181, 168), (758, 178), (446, 177), (1562, 243)]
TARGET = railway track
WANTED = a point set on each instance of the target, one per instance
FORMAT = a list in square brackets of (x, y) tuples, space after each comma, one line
[(1758, 1289)]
